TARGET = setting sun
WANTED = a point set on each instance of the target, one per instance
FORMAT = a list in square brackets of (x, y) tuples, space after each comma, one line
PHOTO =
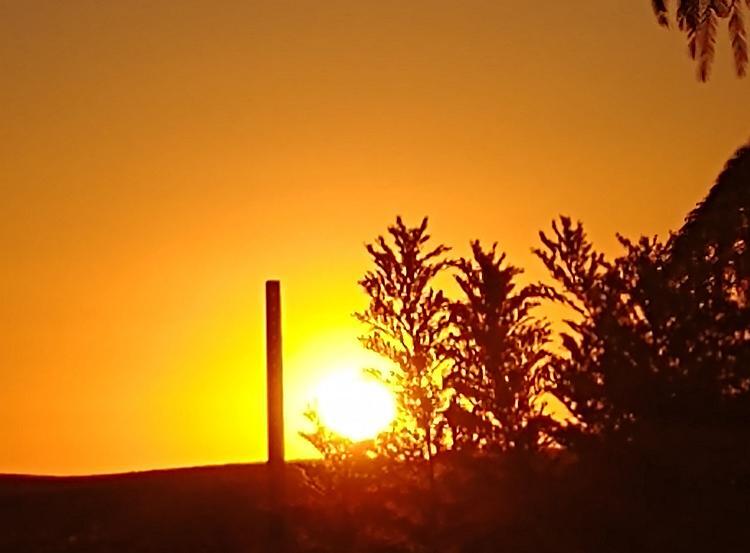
[(354, 405)]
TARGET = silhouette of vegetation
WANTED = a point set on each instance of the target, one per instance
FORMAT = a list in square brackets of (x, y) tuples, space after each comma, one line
[(699, 21), (407, 320), (347, 492), (652, 361), (710, 267), (660, 339), (607, 374), (711, 250), (497, 351)]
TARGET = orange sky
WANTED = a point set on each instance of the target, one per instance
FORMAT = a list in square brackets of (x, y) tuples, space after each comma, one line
[(160, 160)]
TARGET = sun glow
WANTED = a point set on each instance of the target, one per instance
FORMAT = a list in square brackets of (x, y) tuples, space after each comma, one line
[(353, 405)]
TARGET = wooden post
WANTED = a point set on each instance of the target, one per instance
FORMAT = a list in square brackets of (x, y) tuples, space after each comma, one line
[(277, 540), (274, 380)]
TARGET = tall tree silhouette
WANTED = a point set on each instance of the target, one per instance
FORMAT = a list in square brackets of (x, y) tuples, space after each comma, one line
[(578, 377), (716, 234), (497, 348), (660, 339), (710, 265), (406, 321), (699, 21), (614, 372)]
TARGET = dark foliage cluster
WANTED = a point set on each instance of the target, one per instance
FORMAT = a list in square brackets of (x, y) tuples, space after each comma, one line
[(699, 21), (652, 364), (661, 340)]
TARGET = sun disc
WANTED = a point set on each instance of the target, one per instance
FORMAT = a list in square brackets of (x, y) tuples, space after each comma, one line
[(354, 406)]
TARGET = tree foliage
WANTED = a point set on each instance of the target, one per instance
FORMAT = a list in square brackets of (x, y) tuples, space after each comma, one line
[(699, 21), (497, 349), (660, 334), (652, 360), (614, 362), (406, 321), (710, 266)]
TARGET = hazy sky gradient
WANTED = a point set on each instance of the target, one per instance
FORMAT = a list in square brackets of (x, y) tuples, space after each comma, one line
[(160, 160)]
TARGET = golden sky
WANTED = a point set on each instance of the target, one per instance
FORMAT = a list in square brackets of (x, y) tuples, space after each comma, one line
[(160, 160)]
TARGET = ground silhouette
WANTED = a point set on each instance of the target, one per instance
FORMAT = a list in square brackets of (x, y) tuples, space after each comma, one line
[(549, 503)]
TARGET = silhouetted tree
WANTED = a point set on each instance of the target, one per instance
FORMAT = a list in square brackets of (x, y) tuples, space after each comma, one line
[(497, 348), (710, 266), (654, 364), (716, 235), (407, 320), (660, 341), (699, 20), (655, 368), (616, 369), (579, 376)]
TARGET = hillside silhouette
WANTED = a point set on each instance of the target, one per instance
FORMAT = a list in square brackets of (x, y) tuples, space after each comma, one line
[(223, 508), (553, 504)]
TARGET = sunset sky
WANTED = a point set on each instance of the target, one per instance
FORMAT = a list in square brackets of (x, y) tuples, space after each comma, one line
[(161, 160)]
